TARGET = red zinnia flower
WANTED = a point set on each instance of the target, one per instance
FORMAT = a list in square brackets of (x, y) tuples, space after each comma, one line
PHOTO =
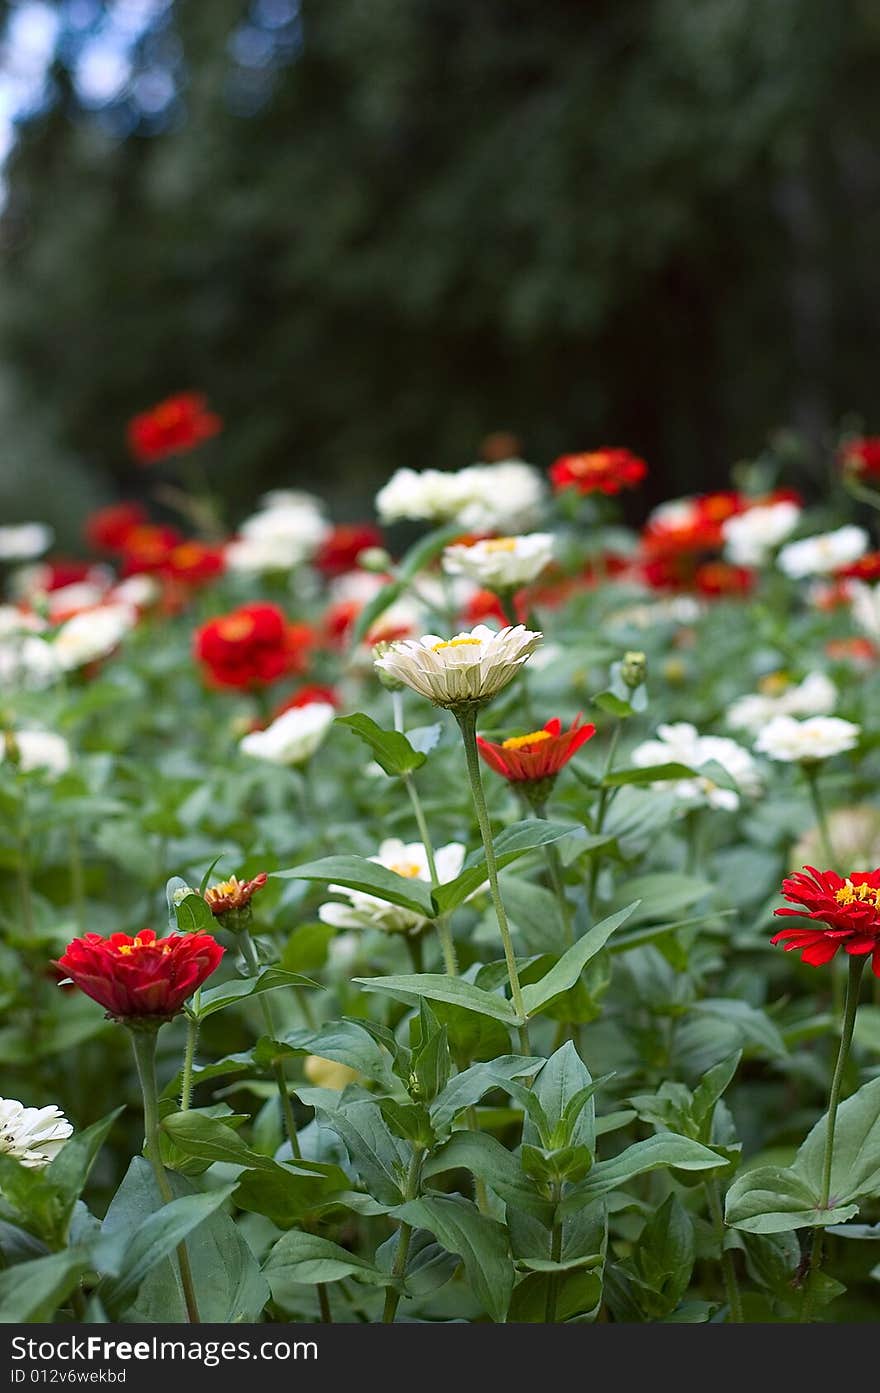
[(715, 578), (867, 568), (233, 894), (144, 977), (861, 652), (598, 471), (538, 755), (194, 563), (173, 427), (845, 914), (340, 550), (251, 647), (861, 455), (108, 529), (146, 549)]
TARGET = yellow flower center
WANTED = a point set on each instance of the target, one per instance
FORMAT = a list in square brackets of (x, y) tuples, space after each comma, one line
[(236, 626), (518, 741), (125, 949), (456, 643), (857, 894), (408, 869), (501, 544), (774, 684), (224, 887)]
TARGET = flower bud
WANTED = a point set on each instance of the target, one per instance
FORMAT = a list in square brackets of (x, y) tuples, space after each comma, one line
[(390, 683), (375, 559), (633, 669)]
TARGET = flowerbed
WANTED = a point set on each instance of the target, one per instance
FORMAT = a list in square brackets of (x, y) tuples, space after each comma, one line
[(394, 939)]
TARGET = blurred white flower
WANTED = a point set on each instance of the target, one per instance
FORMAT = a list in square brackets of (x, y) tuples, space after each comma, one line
[(93, 634), (815, 696), (751, 536), (470, 667), (503, 563), (818, 737), (672, 609), (33, 1136), (69, 599), (293, 737), (25, 541), (826, 552), (483, 497), (681, 743), (27, 662), (291, 498), (140, 590), (36, 749), (405, 859), (279, 537), (19, 621), (865, 603)]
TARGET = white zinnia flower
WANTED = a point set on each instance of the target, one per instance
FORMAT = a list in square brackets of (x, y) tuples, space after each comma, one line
[(751, 536), (405, 859), (819, 555), (93, 634), (293, 737), (470, 667), (280, 537), (681, 743), (818, 737), (815, 696), (32, 1136), (36, 749), (139, 590), (25, 541), (504, 563), (865, 602), (483, 497), (27, 662)]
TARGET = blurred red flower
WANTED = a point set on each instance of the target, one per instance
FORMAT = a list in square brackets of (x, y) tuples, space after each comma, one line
[(194, 563), (718, 578), (861, 455), (867, 568), (252, 646), (861, 652), (172, 427), (537, 756), (108, 529), (141, 978), (306, 696), (848, 911), (340, 550), (146, 548), (598, 471)]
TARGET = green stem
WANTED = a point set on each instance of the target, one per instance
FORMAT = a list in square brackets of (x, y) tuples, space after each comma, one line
[(555, 1256), (851, 1005), (404, 1235), (728, 1267), (189, 1058), (144, 1046), (556, 878), (467, 720), (249, 953), (811, 774), (601, 811)]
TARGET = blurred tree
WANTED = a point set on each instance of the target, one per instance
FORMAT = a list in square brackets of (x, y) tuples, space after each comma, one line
[(644, 222)]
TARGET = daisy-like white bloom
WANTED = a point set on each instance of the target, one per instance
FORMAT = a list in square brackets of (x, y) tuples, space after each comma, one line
[(502, 563), (294, 737), (795, 742), (407, 859), (25, 541), (93, 634), (865, 602), (681, 743), (824, 553), (815, 696), (750, 537), (32, 1136), (470, 668), (140, 590), (27, 662), (280, 537), (483, 497), (36, 749)]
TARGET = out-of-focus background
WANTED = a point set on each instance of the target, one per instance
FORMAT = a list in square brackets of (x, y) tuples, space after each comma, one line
[(373, 232)]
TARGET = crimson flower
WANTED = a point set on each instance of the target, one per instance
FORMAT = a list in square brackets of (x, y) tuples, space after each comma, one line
[(845, 914), (173, 427), (194, 563), (861, 455), (142, 979), (537, 756), (340, 550), (251, 647), (598, 471), (146, 548), (867, 568), (717, 578), (108, 529)]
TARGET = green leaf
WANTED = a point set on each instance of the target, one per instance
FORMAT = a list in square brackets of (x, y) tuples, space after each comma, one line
[(194, 915), (380, 1159), (293, 1191), (564, 1089), (156, 1239), (306, 948), (566, 972), (348, 1042), (68, 1172), (480, 1242), (302, 1259), (420, 555), (651, 774), (613, 705), (665, 1149), (855, 1169), (33, 1291), (409, 987), (358, 873), (391, 749), (228, 993), (485, 1157), (771, 1199), (209, 1139), (663, 895), (509, 846), (471, 1084)]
